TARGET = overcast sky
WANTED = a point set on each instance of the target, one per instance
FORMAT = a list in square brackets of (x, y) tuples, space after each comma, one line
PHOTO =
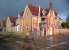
[(12, 7)]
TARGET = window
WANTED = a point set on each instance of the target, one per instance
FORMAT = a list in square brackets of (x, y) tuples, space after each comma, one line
[(43, 19)]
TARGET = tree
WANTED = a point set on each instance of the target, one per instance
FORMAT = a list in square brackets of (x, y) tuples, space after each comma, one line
[(67, 19), (66, 23)]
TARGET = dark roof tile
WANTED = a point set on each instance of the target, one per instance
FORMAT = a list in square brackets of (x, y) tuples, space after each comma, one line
[(13, 20)]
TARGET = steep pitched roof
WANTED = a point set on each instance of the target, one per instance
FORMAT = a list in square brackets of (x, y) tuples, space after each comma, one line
[(2, 23), (34, 10), (13, 20), (21, 13)]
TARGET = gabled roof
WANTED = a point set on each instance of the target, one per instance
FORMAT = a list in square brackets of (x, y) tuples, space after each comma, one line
[(2, 23), (21, 14), (13, 20), (34, 10)]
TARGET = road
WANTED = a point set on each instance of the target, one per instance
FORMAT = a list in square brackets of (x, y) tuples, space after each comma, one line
[(54, 43), (59, 46), (61, 43)]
